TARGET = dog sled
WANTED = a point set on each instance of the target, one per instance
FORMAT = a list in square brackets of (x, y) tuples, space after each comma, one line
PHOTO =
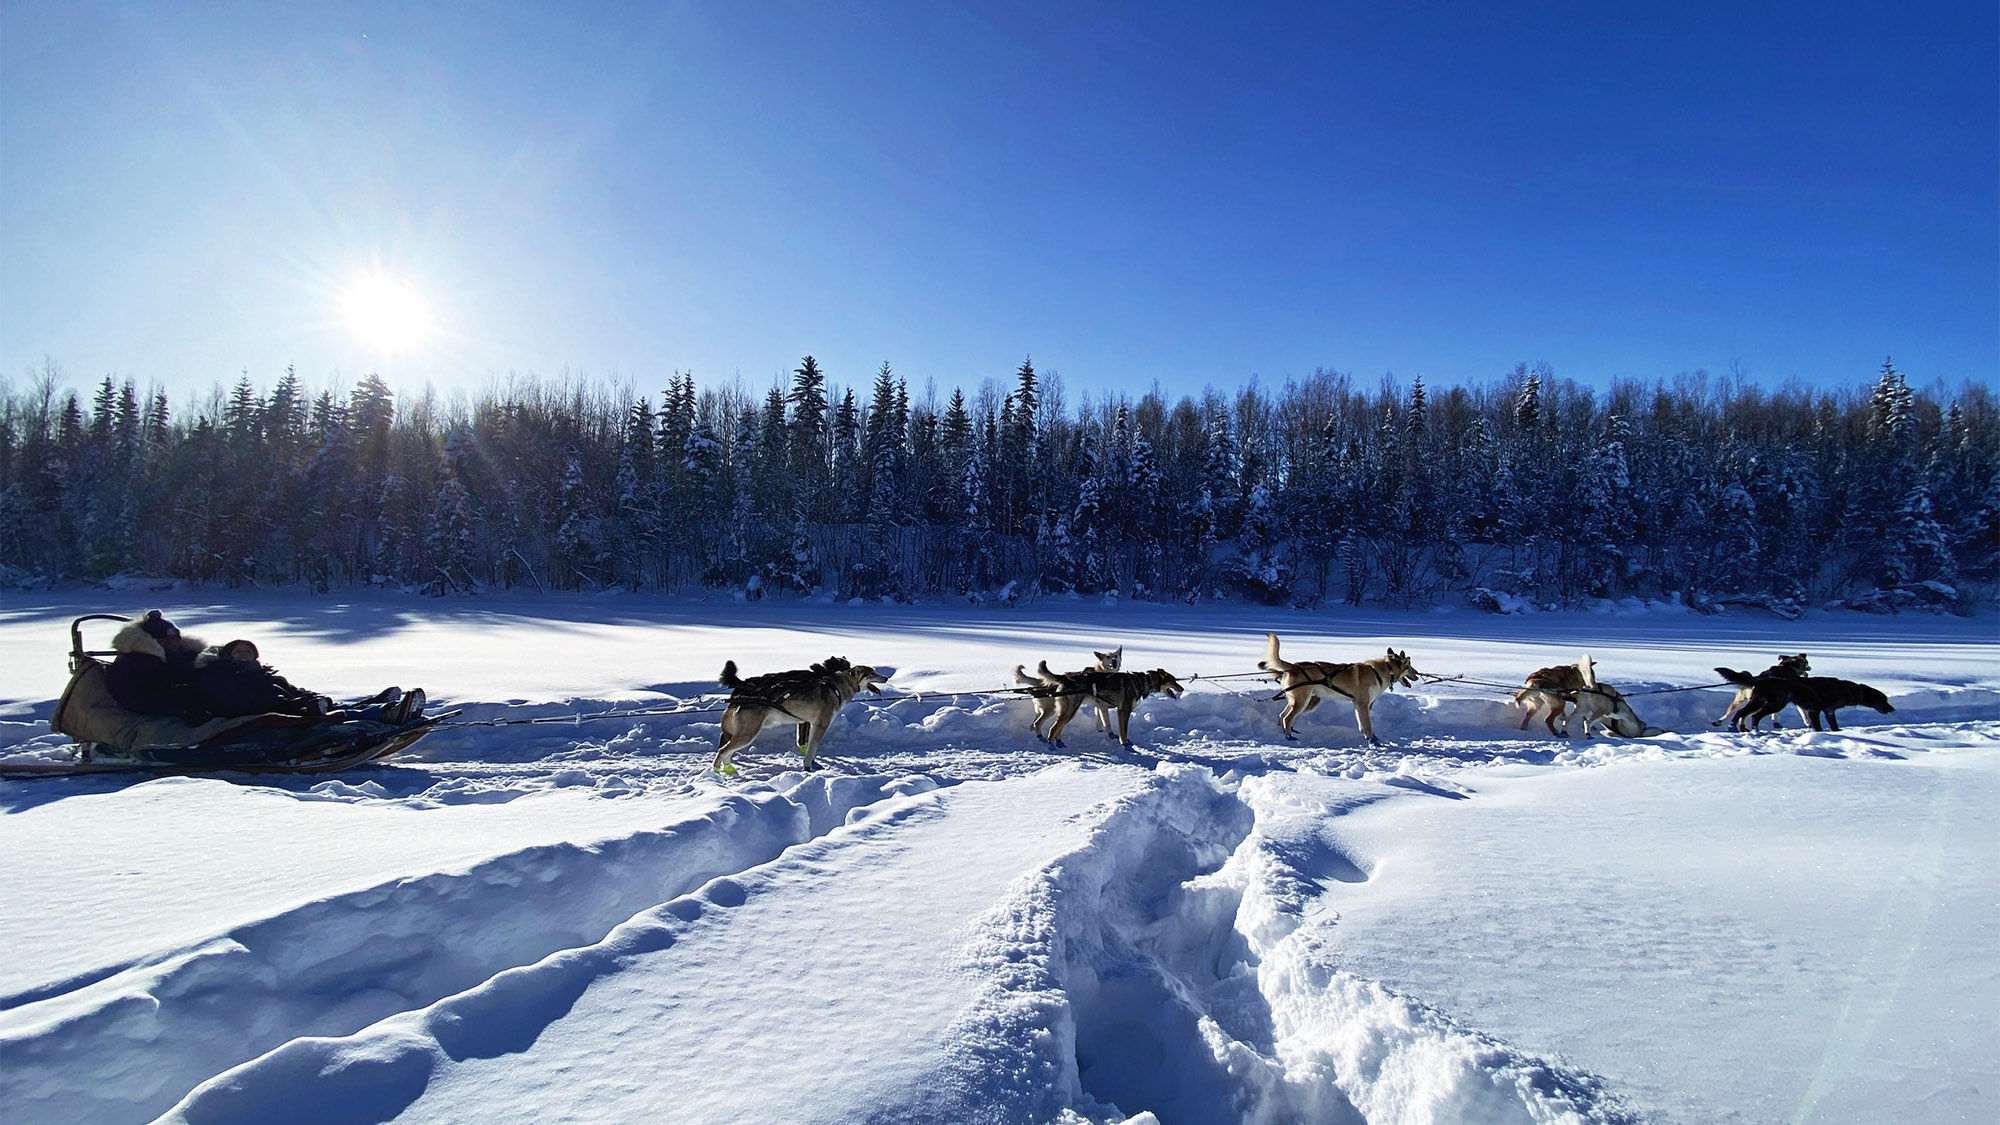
[(111, 739)]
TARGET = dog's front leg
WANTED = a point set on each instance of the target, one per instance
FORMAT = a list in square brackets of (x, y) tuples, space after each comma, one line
[(1361, 719), (1124, 726)]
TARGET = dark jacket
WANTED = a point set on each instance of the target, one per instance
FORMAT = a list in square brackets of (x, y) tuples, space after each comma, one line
[(147, 679), (245, 687)]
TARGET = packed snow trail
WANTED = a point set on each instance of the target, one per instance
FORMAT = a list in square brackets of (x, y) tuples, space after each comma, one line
[(193, 994), (1058, 947), (815, 947)]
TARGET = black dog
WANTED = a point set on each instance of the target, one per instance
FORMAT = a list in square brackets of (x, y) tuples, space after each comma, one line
[(1814, 696), (1787, 667)]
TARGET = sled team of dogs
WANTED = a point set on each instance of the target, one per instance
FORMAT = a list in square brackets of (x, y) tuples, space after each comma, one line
[(1572, 693)]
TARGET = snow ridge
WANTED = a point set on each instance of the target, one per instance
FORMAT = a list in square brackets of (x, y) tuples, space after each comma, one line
[(124, 1046)]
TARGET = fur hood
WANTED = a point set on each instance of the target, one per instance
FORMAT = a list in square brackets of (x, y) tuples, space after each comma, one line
[(134, 638)]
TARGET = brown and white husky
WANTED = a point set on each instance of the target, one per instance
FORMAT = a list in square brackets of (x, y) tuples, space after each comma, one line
[(1305, 683), (810, 697)]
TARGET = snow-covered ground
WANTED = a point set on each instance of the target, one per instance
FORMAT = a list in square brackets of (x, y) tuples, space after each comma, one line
[(952, 922)]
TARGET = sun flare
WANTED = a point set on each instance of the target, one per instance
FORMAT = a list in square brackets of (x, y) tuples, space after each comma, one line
[(385, 313)]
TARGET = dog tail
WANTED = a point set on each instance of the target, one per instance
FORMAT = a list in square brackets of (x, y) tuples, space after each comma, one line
[(729, 678), (1046, 677), (1271, 662), (1022, 678), (1588, 670), (1735, 677)]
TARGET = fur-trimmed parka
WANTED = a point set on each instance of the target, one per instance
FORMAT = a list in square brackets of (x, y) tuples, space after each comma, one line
[(151, 674)]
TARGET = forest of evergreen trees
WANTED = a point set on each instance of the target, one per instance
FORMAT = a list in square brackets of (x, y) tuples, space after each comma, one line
[(1531, 489)]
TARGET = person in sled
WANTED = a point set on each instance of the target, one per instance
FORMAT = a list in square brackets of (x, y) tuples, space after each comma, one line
[(152, 674), (230, 680), (158, 671)]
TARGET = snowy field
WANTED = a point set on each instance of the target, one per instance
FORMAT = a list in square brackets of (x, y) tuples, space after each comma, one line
[(950, 922)]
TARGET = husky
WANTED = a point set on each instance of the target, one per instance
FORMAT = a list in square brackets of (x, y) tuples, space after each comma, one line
[(1600, 704), (1047, 701), (1787, 667), (1304, 683), (1116, 691), (810, 697), (1813, 695), (1590, 702), (1554, 688)]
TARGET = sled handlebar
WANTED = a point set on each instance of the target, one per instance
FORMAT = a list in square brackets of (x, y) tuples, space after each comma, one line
[(77, 654)]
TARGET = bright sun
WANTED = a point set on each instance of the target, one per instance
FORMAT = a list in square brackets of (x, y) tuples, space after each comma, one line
[(386, 313)]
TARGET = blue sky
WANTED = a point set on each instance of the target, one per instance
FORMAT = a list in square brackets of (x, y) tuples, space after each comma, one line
[(1184, 193)]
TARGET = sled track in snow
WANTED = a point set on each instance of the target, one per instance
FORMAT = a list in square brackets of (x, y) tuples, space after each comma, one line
[(1152, 969), (124, 1043), (1177, 987)]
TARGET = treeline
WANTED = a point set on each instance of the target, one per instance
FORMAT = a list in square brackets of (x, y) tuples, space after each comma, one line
[(1530, 489)]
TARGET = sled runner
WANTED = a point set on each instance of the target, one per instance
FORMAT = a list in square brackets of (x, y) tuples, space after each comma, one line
[(112, 739)]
